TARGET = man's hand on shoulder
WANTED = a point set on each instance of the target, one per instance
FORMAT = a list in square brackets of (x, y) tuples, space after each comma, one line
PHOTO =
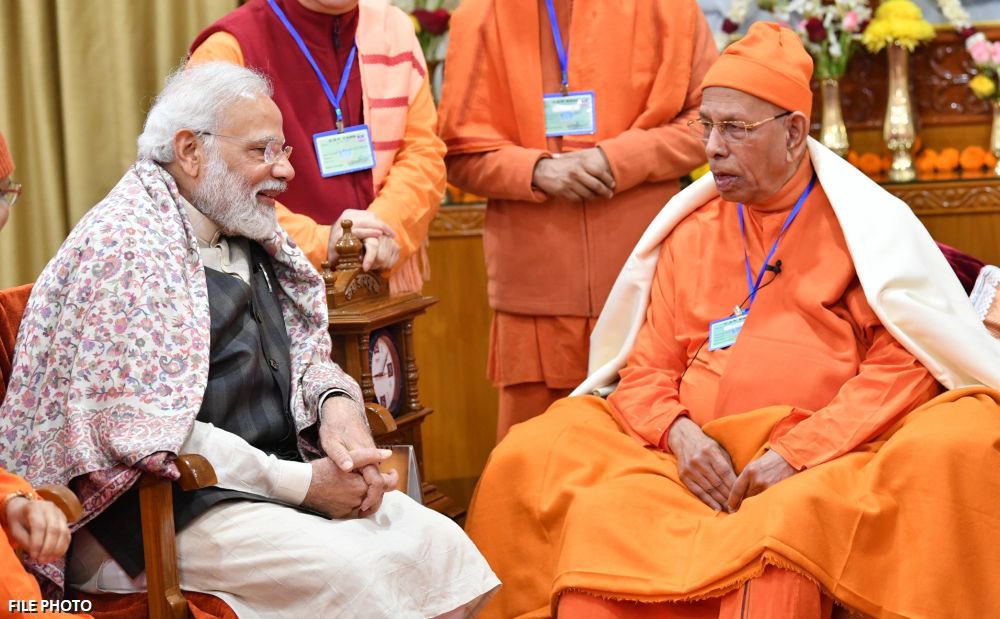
[(703, 465), (381, 247), (576, 176), (758, 476), (37, 527)]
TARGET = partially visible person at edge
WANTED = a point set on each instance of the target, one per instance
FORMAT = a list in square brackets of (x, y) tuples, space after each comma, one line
[(369, 70), (572, 182), (777, 442), (188, 322), (35, 528)]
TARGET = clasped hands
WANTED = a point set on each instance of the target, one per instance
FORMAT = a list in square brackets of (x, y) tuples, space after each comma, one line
[(381, 247), (707, 470), (575, 176), (347, 482)]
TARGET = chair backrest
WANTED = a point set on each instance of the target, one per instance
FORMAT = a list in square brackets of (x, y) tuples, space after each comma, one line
[(13, 301)]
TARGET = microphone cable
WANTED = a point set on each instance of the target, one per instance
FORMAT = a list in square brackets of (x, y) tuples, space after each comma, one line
[(776, 269)]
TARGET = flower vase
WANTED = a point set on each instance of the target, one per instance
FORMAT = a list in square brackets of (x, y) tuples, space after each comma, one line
[(833, 132), (995, 135), (899, 132)]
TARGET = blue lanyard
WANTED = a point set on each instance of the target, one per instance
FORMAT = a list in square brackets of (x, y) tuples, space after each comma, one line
[(755, 286), (334, 99), (560, 50)]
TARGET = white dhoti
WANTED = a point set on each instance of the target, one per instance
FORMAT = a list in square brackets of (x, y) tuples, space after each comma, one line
[(267, 560)]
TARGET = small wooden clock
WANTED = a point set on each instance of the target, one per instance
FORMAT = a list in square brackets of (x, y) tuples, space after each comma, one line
[(372, 334)]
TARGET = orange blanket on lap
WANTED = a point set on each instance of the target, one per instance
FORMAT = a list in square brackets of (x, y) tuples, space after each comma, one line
[(905, 526)]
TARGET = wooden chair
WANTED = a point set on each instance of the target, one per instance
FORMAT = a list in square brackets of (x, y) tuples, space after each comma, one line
[(165, 600)]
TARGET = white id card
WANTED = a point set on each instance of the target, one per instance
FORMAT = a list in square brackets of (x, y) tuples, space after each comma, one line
[(343, 152), (570, 114), (723, 333)]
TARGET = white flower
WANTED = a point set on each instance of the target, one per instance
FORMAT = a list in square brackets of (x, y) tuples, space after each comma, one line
[(977, 39), (834, 46), (955, 13)]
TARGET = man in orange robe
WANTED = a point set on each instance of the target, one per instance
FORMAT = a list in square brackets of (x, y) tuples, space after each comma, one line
[(35, 527), (563, 210), (772, 445)]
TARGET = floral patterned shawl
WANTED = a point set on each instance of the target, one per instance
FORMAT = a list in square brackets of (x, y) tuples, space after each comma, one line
[(112, 357)]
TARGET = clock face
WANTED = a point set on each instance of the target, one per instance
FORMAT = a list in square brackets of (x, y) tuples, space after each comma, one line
[(383, 358)]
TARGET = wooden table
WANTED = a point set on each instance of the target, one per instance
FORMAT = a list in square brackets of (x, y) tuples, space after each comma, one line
[(962, 211)]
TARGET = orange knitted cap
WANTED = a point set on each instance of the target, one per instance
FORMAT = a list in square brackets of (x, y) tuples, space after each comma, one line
[(6, 163), (769, 63)]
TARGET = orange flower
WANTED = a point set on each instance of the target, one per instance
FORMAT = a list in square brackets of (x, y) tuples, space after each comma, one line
[(972, 158), (870, 164), (990, 160), (886, 161), (927, 161), (948, 159), (852, 158)]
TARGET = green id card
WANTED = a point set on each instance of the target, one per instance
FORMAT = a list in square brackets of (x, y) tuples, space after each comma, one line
[(569, 114), (341, 152), (723, 333)]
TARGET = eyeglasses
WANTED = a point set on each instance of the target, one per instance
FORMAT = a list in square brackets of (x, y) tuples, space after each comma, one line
[(730, 130), (273, 151), (10, 193)]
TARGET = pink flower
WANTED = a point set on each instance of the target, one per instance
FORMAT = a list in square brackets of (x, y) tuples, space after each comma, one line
[(980, 49), (851, 22), (996, 53)]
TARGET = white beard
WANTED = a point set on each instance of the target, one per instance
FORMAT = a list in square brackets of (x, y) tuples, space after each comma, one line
[(227, 199)]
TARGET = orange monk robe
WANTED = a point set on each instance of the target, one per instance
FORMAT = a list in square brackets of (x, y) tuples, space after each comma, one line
[(810, 336), (15, 582), (551, 263), (594, 511), (409, 197)]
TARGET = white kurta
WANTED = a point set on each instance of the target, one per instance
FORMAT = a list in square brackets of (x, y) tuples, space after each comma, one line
[(267, 560)]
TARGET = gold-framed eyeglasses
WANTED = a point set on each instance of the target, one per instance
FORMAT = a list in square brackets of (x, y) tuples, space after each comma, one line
[(273, 150), (10, 193), (730, 130)]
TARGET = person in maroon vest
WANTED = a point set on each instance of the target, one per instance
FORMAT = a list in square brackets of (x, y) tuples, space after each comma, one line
[(346, 72)]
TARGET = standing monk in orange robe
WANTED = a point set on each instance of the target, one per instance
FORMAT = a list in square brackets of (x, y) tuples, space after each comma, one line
[(566, 204), (776, 442)]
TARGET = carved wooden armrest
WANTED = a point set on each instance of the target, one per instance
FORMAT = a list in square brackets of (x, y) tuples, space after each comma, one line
[(64, 499), (379, 419)]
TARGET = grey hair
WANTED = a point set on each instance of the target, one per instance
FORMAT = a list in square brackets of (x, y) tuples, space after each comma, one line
[(195, 99)]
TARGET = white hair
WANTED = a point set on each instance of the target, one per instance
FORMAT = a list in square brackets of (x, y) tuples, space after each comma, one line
[(195, 99)]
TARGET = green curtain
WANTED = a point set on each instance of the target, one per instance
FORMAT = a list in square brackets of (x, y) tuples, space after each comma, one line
[(76, 80)]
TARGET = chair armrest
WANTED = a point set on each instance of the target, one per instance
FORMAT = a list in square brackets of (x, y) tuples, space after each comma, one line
[(379, 419), (156, 507), (196, 472), (64, 499)]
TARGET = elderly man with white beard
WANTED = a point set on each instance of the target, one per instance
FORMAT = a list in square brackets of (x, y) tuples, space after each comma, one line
[(178, 317)]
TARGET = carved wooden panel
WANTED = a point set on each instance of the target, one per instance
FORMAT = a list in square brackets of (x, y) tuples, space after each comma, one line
[(950, 197), (458, 220), (939, 75)]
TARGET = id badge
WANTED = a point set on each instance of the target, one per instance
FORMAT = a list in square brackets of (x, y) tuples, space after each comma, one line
[(723, 333), (570, 114), (344, 152)]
